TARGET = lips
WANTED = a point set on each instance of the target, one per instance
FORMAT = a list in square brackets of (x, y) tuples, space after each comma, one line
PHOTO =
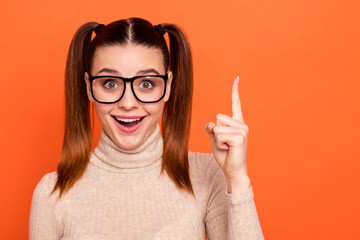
[(128, 124)]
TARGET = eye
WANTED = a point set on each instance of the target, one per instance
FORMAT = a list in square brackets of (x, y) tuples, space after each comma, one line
[(146, 84), (110, 84)]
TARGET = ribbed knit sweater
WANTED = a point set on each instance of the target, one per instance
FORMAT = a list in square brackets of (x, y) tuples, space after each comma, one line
[(122, 195)]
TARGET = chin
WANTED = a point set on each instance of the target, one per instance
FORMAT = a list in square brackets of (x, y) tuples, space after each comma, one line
[(129, 143)]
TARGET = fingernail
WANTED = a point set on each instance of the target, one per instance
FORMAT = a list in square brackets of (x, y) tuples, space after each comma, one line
[(237, 79)]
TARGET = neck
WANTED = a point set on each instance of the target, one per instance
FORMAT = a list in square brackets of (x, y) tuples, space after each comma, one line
[(107, 155)]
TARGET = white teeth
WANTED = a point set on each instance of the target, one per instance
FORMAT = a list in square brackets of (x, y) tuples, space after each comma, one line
[(128, 119)]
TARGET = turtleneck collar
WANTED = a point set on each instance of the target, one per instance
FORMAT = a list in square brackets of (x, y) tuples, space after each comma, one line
[(107, 155)]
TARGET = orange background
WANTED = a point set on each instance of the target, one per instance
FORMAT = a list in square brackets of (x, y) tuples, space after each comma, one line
[(298, 63)]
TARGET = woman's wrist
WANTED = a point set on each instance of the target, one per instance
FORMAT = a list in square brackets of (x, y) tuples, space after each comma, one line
[(238, 185)]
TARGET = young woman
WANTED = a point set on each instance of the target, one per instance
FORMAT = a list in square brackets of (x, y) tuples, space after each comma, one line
[(138, 184)]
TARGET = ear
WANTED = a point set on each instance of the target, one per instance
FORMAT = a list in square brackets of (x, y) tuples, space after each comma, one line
[(88, 90), (168, 86)]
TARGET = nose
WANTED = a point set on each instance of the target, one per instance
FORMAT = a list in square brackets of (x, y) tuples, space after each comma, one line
[(128, 100)]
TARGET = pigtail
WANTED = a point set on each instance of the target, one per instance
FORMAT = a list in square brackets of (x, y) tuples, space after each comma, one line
[(77, 137), (177, 110)]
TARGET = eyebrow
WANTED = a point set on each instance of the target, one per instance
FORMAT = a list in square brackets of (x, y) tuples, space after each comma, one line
[(108, 70), (149, 70), (145, 71)]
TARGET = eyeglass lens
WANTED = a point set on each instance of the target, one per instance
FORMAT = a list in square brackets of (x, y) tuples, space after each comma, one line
[(146, 89)]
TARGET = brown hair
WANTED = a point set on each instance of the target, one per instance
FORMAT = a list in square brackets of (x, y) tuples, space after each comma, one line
[(177, 110)]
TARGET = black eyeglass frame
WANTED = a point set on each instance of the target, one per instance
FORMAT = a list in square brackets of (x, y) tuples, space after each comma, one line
[(125, 80)]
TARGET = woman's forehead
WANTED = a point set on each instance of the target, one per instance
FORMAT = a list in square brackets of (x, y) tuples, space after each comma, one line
[(128, 59)]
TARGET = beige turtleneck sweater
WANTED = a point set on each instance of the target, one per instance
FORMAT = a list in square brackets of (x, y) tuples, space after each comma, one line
[(123, 196)]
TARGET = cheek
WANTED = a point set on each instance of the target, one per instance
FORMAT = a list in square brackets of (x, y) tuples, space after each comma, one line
[(102, 110), (155, 109)]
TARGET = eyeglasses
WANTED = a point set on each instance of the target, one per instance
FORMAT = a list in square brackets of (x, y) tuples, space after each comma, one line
[(110, 89)]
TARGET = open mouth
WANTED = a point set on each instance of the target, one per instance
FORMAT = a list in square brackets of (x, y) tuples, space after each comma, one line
[(128, 122)]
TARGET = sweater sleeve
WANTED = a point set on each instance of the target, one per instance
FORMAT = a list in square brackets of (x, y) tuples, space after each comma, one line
[(43, 223), (230, 216)]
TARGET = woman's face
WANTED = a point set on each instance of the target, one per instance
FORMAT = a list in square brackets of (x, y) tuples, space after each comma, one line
[(128, 61)]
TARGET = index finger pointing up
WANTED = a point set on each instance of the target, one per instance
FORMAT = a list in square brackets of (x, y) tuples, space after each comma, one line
[(235, 101)]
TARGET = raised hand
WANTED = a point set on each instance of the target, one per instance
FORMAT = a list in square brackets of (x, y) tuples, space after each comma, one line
[(229, 137)]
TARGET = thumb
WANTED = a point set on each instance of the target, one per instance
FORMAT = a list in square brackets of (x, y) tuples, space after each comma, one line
[(209, 127)]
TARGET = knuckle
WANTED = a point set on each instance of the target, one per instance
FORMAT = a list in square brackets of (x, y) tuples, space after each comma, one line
[(246, 128), (244, 132), (219, 116), (219, 144), (241, 139), (221, 138), (216, 130)]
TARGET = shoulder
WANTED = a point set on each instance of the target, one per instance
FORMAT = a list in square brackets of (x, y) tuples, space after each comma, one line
[(45, 186), (198, 159), (203, 164), (43, 214)]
